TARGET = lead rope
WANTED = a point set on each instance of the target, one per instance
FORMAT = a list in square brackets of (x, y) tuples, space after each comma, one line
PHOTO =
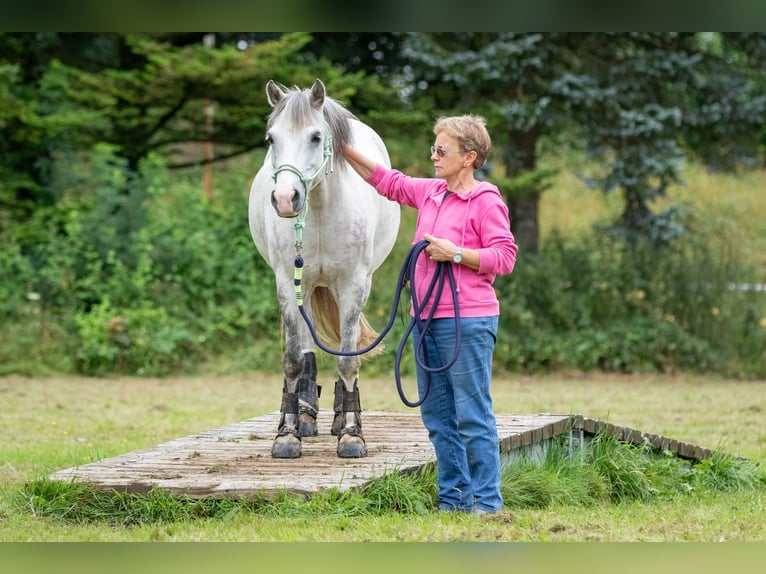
[(443, 273)]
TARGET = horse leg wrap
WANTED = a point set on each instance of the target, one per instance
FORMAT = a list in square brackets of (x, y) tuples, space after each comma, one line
[(337, 408), (351, 443), (289, 407), (345, 401), (308, 397), (287, 443)]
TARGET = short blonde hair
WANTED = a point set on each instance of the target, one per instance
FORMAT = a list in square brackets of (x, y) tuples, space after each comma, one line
[(470, 131)]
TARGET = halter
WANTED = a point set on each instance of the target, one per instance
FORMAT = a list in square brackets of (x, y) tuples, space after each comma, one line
[(324, 169)]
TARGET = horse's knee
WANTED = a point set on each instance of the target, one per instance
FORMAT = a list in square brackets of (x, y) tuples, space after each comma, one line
[(292, 365), (348, 368)]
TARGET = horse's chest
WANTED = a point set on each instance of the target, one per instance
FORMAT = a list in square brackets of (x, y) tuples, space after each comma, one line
[(335, 240)]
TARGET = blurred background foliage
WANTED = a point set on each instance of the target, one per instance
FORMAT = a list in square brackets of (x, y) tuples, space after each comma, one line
[(632, 164)]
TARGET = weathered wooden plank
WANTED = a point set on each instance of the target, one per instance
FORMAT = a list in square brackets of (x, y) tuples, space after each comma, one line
[(235, 460)]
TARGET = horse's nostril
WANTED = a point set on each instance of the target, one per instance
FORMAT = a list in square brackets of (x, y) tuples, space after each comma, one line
[(286, 204)]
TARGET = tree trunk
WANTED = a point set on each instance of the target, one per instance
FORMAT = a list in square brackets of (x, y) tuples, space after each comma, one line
[(524, 222), (521, 155)]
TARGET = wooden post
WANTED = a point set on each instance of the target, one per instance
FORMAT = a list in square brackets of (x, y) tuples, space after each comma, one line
[(207, 169)]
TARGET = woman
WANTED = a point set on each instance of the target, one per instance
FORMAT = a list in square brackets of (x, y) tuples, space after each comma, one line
[(466, 222)]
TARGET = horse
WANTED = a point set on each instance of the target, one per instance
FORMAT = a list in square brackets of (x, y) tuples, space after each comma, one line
[(306, 201)]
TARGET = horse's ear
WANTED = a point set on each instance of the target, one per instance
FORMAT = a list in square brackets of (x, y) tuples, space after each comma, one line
[(274, 93), (317, 94)]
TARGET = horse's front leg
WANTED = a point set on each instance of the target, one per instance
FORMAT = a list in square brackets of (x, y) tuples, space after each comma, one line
[(347, 422), (299, 406)]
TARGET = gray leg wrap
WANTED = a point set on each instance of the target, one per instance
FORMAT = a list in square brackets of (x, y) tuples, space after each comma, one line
[(289, 403), (345, 401), (290, 407), (337, 408), (308, 396), (351, 443), (287, 443)]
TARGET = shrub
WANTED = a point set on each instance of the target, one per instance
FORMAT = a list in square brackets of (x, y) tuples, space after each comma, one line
[(611, 304), (147, 247)]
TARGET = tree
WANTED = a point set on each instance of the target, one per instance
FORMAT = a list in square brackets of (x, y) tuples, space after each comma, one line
[(638, 102), (150, 93), (505, 77), (154, 97), (643, 102), (727, 130)]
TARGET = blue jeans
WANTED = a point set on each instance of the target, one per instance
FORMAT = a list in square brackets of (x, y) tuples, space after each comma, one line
[(458, 413)]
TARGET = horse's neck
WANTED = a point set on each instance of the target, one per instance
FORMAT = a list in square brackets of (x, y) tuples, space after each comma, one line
[(322, 197)]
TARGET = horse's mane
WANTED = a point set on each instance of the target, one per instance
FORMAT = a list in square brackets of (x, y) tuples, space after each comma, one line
[(296, 104)]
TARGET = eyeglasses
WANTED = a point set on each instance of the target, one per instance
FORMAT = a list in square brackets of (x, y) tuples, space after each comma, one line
[(441, 152)]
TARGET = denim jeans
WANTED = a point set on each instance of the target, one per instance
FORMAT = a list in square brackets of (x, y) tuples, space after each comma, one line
[(458, 413)]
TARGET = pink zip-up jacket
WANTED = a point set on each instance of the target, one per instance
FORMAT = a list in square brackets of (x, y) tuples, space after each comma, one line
[(477, 219)]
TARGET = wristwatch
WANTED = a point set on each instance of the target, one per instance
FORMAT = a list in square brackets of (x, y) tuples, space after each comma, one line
[(458, 257)]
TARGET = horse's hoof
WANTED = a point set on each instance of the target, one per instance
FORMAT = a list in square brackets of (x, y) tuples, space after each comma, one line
[(307, 426), (351, 446), (286, 446)]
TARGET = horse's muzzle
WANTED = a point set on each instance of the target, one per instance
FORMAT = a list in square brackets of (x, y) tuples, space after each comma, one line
[(287, 204)]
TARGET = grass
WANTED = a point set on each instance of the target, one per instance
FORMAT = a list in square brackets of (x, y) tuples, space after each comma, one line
[(616, 494)]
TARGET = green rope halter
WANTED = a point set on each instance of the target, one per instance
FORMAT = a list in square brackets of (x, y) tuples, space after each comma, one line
[(324, 169)]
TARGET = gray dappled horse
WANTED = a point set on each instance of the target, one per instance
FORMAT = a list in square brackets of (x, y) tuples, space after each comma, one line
[(345, 231)]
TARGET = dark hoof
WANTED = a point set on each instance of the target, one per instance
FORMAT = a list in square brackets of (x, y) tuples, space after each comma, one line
[(307, 425), (351, 446), (286, 446)]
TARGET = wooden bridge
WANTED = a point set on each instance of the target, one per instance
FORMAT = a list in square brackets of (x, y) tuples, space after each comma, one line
[(235, 461)]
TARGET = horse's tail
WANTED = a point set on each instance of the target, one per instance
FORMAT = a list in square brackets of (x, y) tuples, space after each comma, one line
[(326, 320)]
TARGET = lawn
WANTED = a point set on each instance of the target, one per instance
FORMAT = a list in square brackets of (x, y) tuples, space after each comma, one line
[(53, 423)]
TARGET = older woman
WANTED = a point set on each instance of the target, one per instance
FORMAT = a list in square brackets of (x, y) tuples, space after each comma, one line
[(465, 222)]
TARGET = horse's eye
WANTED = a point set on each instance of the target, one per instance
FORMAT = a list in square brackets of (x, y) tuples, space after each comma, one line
[(268, 139), (316, 137)]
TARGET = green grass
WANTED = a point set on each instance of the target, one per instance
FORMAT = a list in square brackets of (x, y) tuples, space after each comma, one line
[(609, 492), (605, 473)]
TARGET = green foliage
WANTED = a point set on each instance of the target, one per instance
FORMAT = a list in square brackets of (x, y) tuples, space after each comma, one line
[(137, 272), (525, 184), (155, 95), (607, 471), (611, 304), (144, 274), (132, 340), (414, 493), (76, 502), (112, 263)]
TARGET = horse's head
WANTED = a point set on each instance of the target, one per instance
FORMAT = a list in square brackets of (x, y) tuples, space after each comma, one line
[(300, 145)]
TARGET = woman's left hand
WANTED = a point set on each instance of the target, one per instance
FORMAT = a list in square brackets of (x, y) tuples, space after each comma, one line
[(440, 249)]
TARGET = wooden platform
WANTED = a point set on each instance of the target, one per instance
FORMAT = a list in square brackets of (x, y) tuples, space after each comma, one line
[(235, 461)]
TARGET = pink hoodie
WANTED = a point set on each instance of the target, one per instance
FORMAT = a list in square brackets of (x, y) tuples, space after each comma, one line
[(477, 219)]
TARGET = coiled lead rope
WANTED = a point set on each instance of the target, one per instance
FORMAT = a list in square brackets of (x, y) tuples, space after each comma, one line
[(444, 273)]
